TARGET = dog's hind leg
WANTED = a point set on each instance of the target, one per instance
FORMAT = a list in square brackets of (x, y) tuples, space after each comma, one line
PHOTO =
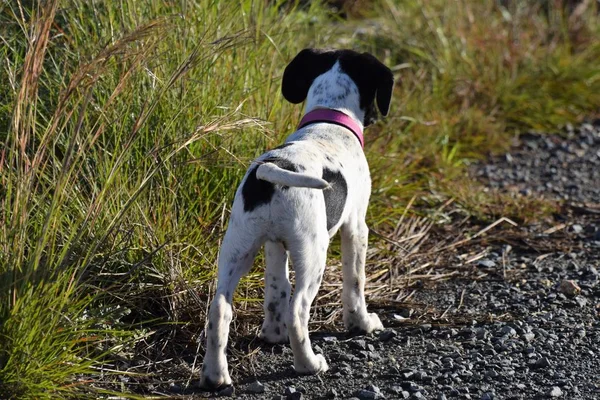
[(235, 260), (354, 252), (277, 293), (308, 254)]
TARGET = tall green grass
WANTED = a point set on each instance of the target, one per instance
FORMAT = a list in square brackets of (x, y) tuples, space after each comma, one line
[(125, 128), (128, 126), (472, 75)]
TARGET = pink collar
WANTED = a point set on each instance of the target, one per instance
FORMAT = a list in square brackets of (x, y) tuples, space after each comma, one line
[(334, 117)]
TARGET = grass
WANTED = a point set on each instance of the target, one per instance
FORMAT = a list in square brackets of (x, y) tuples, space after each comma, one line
[(125, 130)]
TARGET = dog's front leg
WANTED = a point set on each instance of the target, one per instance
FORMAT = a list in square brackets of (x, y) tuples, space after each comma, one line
[(354, 252)]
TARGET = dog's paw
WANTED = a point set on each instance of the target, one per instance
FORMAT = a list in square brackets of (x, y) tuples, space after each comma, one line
[(361, 326), (312, 366), (214, 381), (374, 323), (274, 334)]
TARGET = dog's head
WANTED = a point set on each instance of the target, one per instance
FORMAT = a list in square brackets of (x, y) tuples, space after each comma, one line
[(373, 79)]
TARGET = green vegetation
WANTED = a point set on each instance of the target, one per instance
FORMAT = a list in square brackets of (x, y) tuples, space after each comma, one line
[(125, 128)]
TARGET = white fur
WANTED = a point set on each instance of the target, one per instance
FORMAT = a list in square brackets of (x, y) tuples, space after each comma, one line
[(272, 173), (294, 223)]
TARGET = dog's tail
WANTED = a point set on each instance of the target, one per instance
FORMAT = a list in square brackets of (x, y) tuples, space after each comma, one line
[(274, 174)]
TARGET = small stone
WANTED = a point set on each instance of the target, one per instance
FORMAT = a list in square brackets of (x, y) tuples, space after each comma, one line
[(508, 331), (387, 335), (441, 396), (411, 387), (294, 396), (330, 339), (420, 375), (486, 263), (581, 301), (359, 344), (487, 396), (407, 374), (367, 395), (174, 388), (491, 374), (256, 387), (289, 390), (569, 287), (373, 388), (542, 363), (528, 337), (577, 228), (555, 392), (228, 391)]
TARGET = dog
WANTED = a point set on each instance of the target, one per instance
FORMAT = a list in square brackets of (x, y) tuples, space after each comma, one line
[(294, 198)]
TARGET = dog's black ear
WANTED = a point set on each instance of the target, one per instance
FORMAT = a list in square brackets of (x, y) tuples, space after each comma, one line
[(384, 81), (302, 71)]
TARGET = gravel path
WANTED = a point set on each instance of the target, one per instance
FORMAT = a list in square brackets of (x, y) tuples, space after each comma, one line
[(521, 320)]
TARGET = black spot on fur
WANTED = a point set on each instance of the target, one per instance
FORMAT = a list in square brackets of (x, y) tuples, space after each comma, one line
[(272, 307), (273, 286), (230, 272), (278, 317), (277, 331), (203, 367), (328, 158), (210, 326), (256, 192), (302, 71), (356, 286), (283, 294), (335, 196)]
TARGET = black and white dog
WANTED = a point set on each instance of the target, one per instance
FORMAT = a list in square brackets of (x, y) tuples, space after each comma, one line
[(294, 198)]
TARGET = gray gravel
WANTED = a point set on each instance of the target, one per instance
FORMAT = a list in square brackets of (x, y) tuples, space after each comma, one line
[(562, 166)]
